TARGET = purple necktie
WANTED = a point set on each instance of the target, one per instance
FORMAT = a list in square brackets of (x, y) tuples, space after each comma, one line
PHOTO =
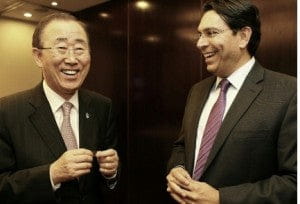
[(211, 129), (66, 128)]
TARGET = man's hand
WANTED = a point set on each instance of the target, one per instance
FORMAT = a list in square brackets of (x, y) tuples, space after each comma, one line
[(72, 164), (185, 190), (108, 161), (178, 180), (201, 193)]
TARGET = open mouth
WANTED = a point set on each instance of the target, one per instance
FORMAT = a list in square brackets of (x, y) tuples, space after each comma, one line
[(209, 54), (69, 72)]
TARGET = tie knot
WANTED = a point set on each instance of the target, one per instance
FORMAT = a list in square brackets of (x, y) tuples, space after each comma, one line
[(66, 108), (224, 84)]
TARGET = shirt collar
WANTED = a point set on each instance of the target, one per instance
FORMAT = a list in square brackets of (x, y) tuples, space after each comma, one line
[(238, 77), (56, 100)]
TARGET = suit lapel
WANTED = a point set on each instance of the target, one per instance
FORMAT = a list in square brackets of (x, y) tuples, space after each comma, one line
[(43, 120), (247, 94), (87, 128), (87, 123)]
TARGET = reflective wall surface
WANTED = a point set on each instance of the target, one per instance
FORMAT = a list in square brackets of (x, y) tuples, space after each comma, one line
[(145, 59)]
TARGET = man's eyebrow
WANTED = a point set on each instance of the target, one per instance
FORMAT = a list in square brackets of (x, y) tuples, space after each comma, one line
[(208, 29), (80, 41), (61, 39), (66, 39)]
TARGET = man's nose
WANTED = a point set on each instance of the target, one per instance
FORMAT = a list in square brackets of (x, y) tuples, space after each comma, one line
[(202, 42), (71, 57)]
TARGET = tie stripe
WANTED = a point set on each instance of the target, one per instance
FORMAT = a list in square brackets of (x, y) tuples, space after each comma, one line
[(211, 129)]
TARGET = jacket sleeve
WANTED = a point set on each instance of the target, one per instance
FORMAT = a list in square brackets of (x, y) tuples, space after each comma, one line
[(177, 157)]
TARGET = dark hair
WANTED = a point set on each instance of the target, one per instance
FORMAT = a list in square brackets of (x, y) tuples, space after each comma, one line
[(36, 37), (237, 14)]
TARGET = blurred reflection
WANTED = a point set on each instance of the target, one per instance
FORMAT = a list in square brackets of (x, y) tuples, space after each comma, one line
[(188, 34), (54, 3), (152, 38), (143, 5), (104, 15), (28, 15)]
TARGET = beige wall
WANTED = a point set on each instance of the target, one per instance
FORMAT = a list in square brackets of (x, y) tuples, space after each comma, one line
[(17, 68)]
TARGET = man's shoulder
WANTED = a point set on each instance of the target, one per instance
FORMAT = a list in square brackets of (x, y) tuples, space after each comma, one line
[(17, 104), (280, 81), (280, 76), (18, 97), (94, 96)]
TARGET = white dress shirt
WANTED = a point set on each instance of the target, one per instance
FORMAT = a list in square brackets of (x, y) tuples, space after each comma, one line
[(236, 80), (56, 102)]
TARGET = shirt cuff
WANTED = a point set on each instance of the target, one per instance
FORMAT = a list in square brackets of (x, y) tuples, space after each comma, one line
[(54, 187), (181, 166), (111, 181)]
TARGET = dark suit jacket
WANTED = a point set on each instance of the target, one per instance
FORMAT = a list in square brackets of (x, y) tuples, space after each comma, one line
[(253, 159), (30, 141)]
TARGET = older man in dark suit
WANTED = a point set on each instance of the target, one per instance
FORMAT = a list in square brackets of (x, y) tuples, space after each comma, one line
[(238, 138), (57, 141)]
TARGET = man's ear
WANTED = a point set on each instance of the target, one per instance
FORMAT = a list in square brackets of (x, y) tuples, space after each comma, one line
[(245, 34), (37, 54)]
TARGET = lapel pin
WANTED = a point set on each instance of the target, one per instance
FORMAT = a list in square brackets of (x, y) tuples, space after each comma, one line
[(87, 115)]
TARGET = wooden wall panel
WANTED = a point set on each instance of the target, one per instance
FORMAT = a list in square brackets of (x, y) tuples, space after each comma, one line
[(147, 60), (278, 48)]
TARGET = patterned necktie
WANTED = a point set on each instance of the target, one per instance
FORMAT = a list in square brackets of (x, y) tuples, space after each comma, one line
[(66, 128), (211, 129)]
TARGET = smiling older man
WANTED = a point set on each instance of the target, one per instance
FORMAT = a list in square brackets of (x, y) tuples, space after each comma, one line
[(57, 141)]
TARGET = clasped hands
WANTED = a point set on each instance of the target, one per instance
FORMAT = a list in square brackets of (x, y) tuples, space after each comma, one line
[(185, 190), (77, 162)]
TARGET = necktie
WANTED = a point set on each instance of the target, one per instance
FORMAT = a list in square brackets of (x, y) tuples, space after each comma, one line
[(211, 129), (66, 128)]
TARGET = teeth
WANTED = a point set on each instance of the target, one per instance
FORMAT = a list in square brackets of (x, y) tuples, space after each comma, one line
[(208, 54), (69, 72)]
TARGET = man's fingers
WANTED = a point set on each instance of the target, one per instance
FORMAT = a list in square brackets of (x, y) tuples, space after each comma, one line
[(182, 179), (109, 166), (180, 176), (82, 166), (107, 171), (108, 161), (177, 198), (82, 172), (106, 153), (174, 188), (191, 197), (82, 158), (80, 151)]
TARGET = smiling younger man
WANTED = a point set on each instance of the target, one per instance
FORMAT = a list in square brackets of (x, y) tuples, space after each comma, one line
[(239, 147), (45, 157)]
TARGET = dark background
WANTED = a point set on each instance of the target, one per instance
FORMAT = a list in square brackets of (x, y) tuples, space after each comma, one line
[(147, 60)]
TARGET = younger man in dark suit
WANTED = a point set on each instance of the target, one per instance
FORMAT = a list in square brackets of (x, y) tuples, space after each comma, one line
[(238, 138), (50, 134)]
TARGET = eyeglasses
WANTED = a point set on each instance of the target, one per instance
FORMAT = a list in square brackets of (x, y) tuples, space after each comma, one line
[(210, 33), (62, 50)]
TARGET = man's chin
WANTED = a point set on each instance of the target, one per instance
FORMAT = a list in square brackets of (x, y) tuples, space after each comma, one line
[(70, 87), (211, 69), (70, 90)]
